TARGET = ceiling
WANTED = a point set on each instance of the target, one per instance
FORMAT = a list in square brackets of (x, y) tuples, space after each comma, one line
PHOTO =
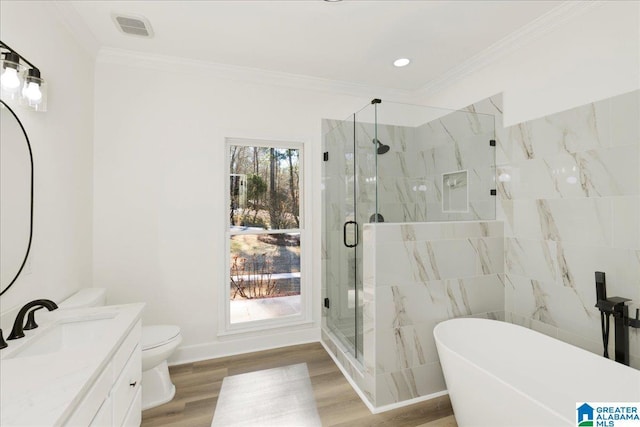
[(352, 41)]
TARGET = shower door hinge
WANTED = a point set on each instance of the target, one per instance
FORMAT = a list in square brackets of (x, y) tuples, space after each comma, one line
[(326, 302), (492, 142), (493, 192), (325, 156)]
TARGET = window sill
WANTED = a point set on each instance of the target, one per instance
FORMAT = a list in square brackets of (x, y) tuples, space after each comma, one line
[(259, 326)]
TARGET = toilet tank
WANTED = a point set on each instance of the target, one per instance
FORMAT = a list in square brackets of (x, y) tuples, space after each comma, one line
[(87, 297)]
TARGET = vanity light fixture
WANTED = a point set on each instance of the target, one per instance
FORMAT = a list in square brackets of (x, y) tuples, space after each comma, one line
[(20, 80), (401, 62), (12, 73)]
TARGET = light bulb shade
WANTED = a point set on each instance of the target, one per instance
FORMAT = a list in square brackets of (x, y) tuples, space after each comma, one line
[(34, 91), (11, 76), (10, 79)]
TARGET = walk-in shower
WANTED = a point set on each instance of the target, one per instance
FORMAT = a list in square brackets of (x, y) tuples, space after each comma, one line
[(402, 165)]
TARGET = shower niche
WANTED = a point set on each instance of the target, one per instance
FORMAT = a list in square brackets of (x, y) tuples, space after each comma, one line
[(455, 192)]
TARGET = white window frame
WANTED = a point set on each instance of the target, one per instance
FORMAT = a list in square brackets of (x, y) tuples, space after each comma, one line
[(304, 317)]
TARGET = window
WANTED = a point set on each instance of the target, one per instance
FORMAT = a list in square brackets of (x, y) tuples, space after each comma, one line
[(265, 282)]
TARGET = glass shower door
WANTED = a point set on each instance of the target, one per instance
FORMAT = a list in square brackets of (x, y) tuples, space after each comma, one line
[(342, 236), (350, 194)]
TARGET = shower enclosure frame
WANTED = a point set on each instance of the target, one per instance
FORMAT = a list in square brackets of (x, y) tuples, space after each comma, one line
[(359, 178), (385, 163), (353, 148)]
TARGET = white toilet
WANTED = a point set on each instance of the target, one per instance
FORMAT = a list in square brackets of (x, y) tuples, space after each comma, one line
[(158, 343)]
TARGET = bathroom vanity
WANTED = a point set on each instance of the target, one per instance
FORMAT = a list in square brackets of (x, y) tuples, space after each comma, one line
[(81, 367)]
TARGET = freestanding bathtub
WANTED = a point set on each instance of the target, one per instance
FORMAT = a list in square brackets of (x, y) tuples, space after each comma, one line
[(500, 374)]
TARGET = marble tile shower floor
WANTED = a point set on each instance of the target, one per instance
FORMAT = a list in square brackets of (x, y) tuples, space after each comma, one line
[(246, 310)]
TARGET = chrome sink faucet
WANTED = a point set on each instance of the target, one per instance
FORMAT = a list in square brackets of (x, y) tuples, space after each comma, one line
[(18, 325)]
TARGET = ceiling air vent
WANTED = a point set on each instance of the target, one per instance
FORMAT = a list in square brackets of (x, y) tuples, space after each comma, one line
[(133, 25)]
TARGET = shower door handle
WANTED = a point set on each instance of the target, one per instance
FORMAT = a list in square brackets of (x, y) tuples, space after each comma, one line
[(344, 234)]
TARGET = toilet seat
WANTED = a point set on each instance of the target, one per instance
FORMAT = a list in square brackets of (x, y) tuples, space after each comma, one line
[(158, 335)]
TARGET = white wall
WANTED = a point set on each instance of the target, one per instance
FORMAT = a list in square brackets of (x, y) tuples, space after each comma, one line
[(158, 160), (61, 139), (160, 163), (159, 185), (590, 57)]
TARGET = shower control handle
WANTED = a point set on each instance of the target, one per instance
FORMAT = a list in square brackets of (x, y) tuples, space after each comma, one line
[(344, 234)]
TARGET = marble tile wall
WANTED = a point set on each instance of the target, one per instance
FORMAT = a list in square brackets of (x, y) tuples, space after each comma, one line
[(569, 194), (455, 142), (454, 269), (410, 184), (422, 274), (409, 176), (568, 205)]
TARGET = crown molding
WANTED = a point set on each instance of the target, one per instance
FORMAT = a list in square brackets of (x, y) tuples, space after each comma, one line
[(502, 48), (507, 45), (74, 23), (214, 70)]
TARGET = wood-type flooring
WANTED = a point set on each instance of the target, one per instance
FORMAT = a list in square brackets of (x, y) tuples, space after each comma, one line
[(198, 385)]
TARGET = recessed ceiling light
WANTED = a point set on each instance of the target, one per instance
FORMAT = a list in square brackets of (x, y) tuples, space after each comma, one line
[(401, 62)]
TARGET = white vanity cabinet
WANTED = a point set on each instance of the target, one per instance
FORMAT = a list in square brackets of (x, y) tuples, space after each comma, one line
[(80, 367), (115, 397)]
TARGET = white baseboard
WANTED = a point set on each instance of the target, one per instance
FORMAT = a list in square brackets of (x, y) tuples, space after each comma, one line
[(419, 399), (232, 347)]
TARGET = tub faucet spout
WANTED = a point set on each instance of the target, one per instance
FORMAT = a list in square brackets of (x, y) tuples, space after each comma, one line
[(616, 307), (635, 323)]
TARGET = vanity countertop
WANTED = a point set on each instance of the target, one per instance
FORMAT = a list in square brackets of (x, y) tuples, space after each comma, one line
[(45, 389)]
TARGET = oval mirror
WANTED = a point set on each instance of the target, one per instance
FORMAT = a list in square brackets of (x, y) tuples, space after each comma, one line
[(16, 197)]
